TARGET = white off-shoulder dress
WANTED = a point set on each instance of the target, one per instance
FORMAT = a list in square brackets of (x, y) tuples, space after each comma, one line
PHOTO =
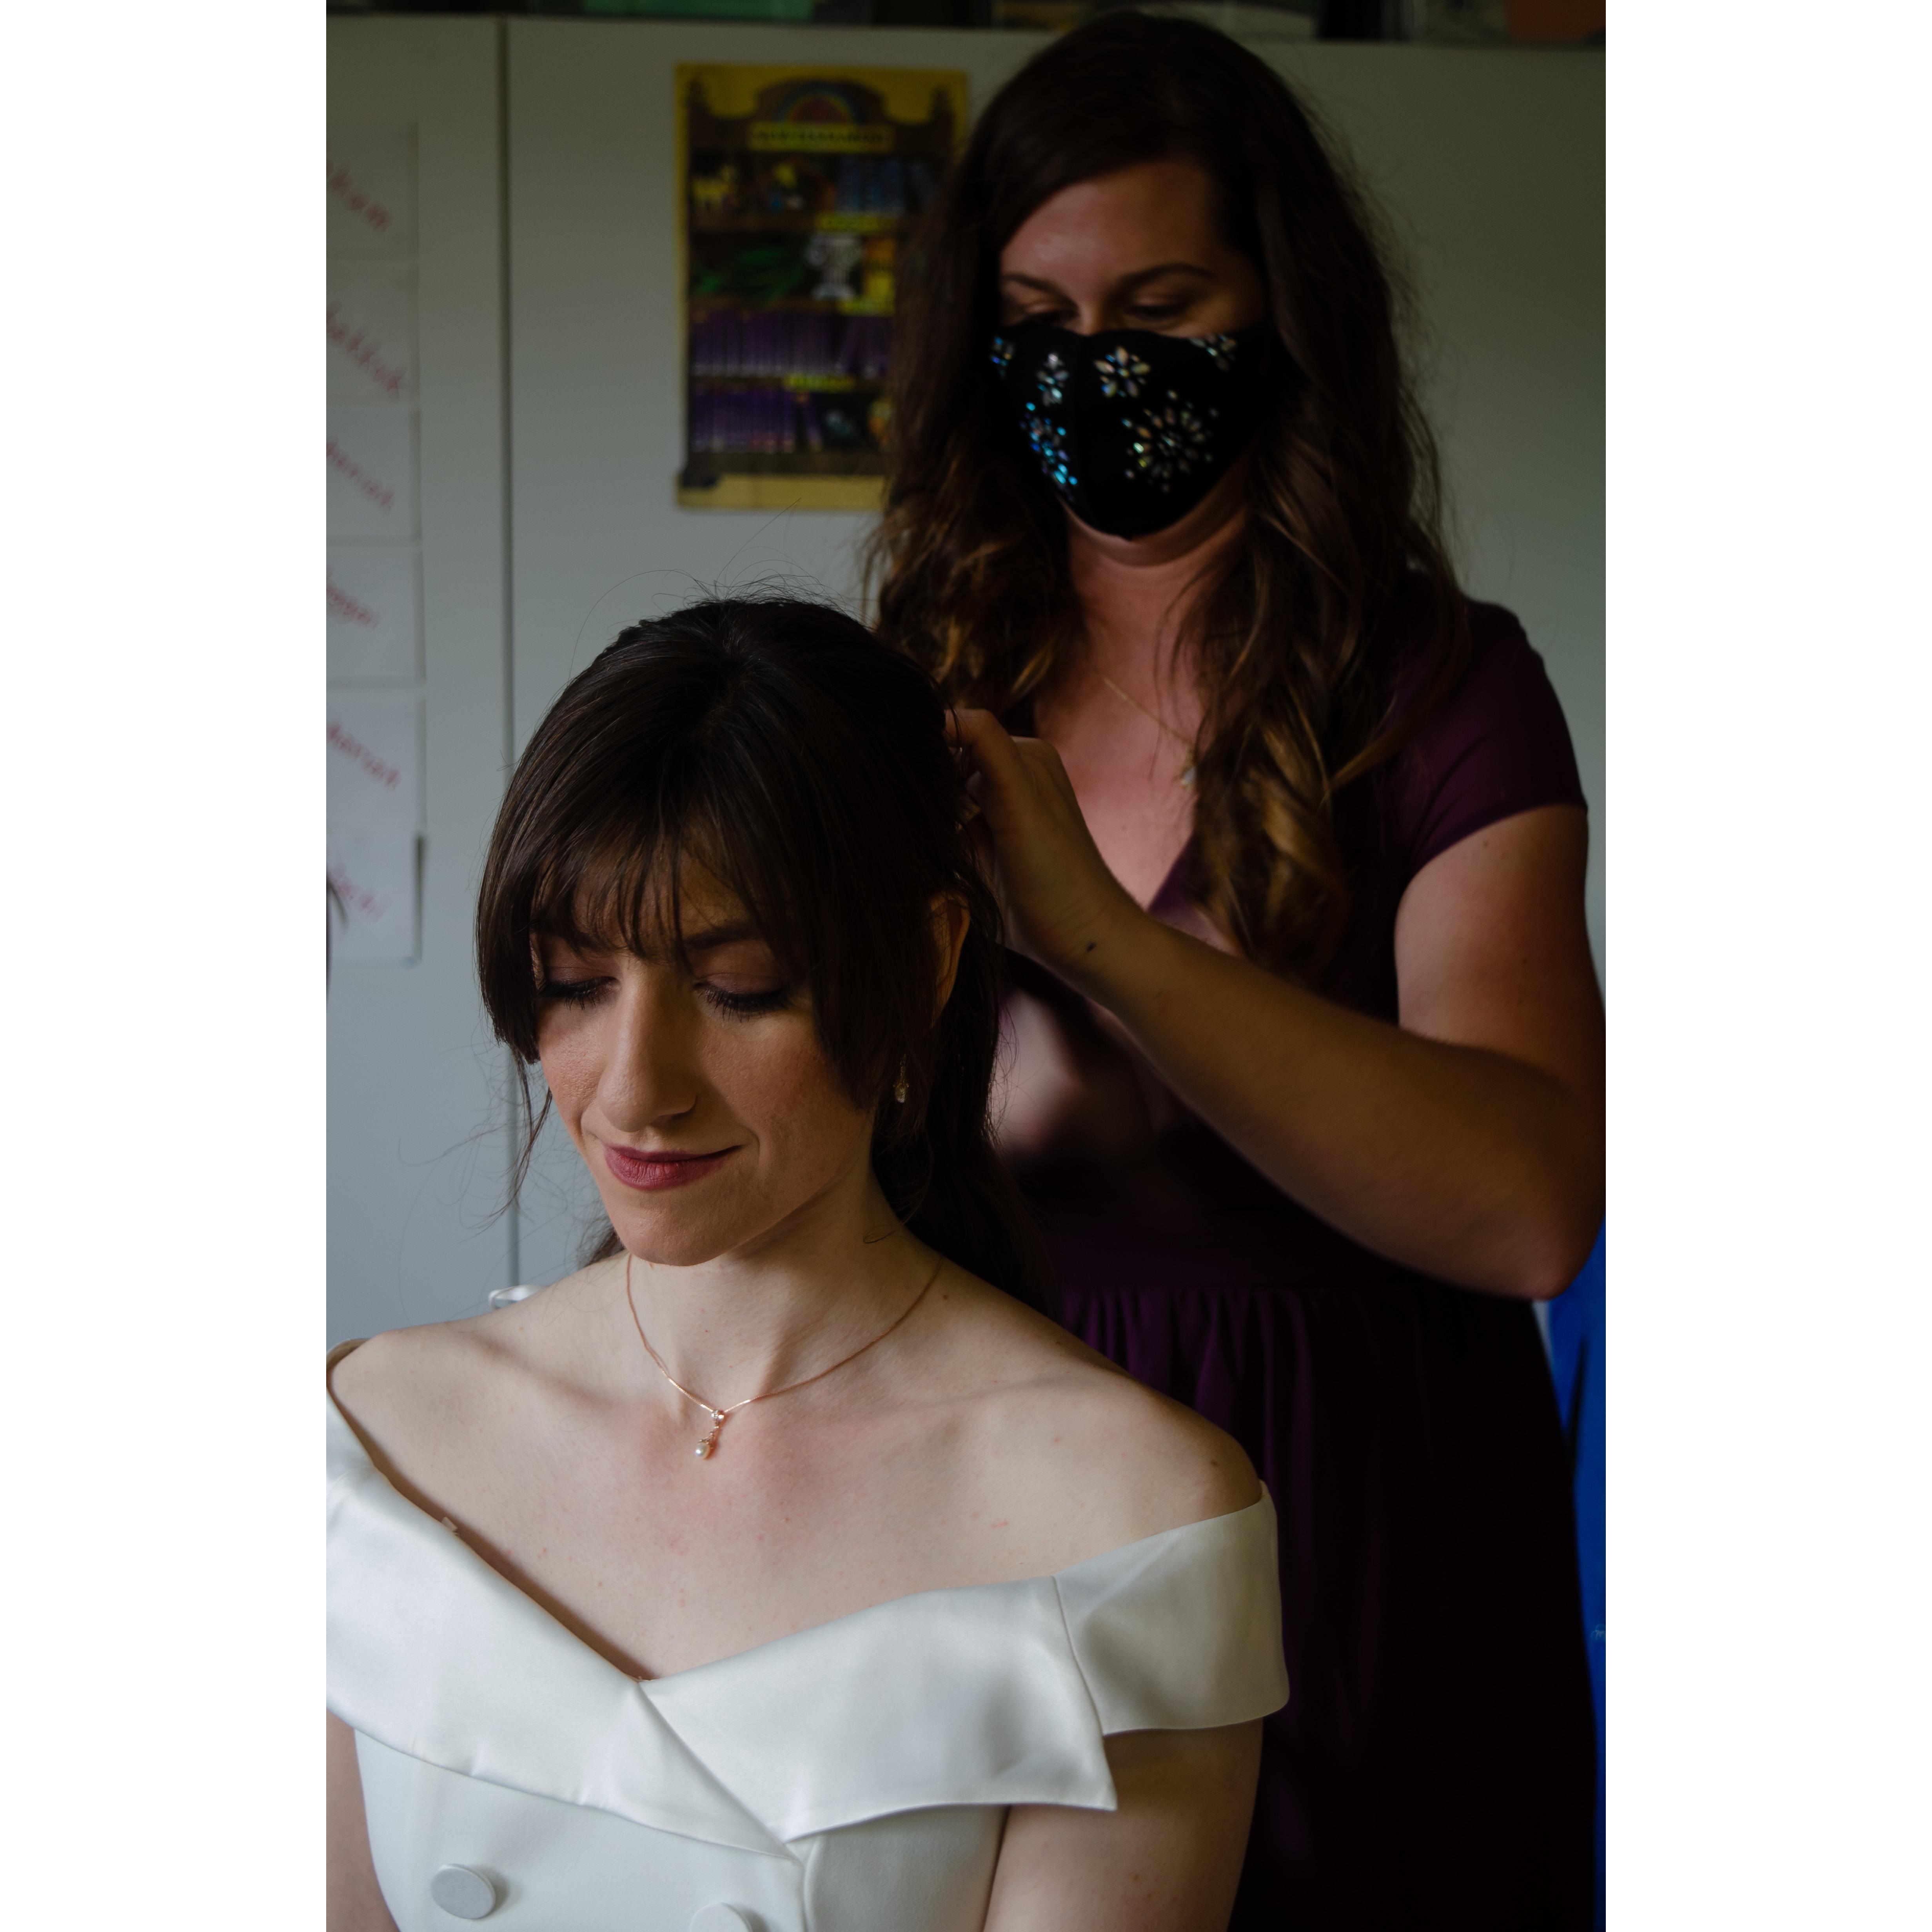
[(853, 1778)]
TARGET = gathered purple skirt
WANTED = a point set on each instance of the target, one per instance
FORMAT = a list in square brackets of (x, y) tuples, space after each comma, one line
[(1435, 1766)]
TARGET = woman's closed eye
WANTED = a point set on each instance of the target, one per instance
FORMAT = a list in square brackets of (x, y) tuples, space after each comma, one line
[(574, 992), (1058, 314), (742, 1002)]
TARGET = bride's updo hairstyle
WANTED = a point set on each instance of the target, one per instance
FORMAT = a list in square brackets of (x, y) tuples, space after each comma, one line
[(803, 764)]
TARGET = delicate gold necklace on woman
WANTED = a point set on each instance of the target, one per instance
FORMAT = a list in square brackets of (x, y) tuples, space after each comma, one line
[(703, 1450), (1186, 770)]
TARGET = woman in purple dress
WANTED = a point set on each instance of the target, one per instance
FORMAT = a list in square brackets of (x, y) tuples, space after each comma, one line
[(1307, 1049)]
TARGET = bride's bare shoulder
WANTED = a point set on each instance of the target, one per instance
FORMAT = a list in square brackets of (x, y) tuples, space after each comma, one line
[(407, 1386), (1092, 1458)]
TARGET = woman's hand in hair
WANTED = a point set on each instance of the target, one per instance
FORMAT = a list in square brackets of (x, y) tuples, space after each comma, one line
[(1063, 907)]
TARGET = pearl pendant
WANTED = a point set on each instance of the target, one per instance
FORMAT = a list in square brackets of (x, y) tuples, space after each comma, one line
[(703, 1451)]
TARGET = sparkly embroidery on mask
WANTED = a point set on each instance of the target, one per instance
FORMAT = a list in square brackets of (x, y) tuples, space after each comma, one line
[(1121, 373), (1049, 444), (1052, 382), (1003, 353), (1220, 350), (1166, 443)]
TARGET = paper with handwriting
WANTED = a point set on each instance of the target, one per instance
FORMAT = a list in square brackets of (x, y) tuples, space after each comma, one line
[(373, 914), (375, 760), (372, 473), (374, 614), (372, 190), (372, 334)]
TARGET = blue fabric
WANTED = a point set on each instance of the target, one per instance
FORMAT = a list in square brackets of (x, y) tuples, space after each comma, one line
[(1577, 1361)]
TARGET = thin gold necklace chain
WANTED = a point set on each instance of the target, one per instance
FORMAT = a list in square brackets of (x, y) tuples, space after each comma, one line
[(1127, 697), (704, 1450)]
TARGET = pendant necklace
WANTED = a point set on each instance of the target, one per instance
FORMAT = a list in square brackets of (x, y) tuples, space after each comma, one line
[(705, 1450), (1127, 697)]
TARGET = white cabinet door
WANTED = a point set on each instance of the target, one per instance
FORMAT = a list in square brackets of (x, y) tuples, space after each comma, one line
[(417, 1126)]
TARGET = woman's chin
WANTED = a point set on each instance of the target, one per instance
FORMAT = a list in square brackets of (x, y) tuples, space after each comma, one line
[(671, 1240)]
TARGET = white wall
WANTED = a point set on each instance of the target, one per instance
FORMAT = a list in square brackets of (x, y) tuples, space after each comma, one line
[(1489, 163), (416, 1128)]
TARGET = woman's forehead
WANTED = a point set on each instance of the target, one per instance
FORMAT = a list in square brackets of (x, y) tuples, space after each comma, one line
[(657, 916), (1142, 217)]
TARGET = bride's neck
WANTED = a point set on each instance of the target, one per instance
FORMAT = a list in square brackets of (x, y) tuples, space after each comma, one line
[(819, 1285)]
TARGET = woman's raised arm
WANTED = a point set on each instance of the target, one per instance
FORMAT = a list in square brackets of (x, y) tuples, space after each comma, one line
[(1467, 1142)]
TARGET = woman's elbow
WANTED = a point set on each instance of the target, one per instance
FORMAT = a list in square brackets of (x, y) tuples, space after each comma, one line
[(1558, 1240)]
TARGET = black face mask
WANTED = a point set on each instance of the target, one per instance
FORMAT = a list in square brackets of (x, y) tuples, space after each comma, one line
[(1132, 428)]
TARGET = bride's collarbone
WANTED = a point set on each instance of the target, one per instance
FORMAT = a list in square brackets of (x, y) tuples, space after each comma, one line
[(664, 1568), (807, 1512)]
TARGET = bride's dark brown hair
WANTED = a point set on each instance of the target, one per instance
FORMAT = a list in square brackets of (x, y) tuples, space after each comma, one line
[(780, 745), (1296, 630)]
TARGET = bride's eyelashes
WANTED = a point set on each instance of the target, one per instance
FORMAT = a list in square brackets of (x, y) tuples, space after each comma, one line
[(571, 992), (746, 1005), (737, 1006)]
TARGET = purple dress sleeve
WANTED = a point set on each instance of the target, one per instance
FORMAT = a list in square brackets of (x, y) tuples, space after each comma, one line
[(1498, 745)]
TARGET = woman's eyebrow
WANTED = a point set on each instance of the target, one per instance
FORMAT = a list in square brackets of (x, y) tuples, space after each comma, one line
[(1141, 275), (711, 937), (1132, 281), (1033, 282)]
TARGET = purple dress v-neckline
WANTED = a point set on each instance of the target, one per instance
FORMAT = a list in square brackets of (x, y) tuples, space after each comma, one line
[(1170, 895)]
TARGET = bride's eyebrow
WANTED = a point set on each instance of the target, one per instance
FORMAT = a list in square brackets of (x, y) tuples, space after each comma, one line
[(713, 937)]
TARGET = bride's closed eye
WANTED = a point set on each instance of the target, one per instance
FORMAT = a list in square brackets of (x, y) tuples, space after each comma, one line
[(746, 1005), (573, 992)]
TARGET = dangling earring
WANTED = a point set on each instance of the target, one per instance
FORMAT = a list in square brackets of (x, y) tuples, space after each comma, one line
[(899, 1085)]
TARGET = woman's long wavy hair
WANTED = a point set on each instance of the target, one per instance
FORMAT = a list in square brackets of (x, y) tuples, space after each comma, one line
[(781, 746), (1296, 630)]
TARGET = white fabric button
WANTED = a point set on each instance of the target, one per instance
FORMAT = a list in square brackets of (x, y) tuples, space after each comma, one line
[(462, 1893), (722, 1919)]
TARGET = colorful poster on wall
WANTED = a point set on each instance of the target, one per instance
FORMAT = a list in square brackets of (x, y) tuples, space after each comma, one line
[(796, 186)]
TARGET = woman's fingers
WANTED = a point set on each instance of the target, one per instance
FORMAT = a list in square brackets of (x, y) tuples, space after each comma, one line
[(1015, 779), (988, 744), (1032, 841)]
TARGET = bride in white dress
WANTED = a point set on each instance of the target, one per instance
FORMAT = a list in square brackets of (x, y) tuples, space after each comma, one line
[(787, 1567)]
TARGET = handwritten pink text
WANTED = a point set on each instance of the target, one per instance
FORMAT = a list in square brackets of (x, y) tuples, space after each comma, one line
[(359, 201), (376, 493), (341, 604), (360, 897), (356, 345), (383, 773)]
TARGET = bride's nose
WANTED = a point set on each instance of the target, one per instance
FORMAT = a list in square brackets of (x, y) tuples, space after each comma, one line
[(650, 1075)]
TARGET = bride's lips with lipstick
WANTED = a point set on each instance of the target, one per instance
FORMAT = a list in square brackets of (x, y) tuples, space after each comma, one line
[(654, 1168)]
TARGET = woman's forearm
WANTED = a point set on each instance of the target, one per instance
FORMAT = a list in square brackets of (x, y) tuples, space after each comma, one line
[(1467, 1164)]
